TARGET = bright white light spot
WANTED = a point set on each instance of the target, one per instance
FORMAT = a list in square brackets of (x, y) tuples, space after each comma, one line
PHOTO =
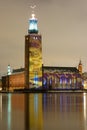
[(33, 16)]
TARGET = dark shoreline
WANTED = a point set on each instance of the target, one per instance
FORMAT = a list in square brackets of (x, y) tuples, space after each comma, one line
[(46, 91)]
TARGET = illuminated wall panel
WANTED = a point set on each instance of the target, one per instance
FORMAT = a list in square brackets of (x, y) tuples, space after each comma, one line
[(33, 60)]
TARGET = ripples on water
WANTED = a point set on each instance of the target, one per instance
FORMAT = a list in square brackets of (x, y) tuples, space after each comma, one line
[(50, 111)]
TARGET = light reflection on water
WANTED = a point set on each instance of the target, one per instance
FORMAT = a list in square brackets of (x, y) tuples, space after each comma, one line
[(43, 111), (0, 107), (85, 110)]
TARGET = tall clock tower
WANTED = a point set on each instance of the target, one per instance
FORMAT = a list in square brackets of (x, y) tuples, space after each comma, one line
[(33, 55)]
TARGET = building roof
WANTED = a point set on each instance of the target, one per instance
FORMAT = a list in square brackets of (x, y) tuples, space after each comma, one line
[(64, 69), (18, 70)]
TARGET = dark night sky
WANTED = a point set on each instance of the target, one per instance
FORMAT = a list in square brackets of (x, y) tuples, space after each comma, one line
[(62, 23)]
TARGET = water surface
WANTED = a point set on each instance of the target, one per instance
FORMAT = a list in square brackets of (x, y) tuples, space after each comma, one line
[(50, 111)]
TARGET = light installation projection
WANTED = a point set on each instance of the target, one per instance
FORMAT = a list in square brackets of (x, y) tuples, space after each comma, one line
[(62, 78), (33, 55)]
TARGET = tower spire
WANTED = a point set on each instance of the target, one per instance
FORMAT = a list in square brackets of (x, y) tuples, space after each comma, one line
[(33, 22), (80, 67)]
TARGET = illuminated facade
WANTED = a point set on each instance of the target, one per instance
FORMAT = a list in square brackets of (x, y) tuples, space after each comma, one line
[(33, 56), (16, 80), (62, 78), (52, 78), (34, 75)]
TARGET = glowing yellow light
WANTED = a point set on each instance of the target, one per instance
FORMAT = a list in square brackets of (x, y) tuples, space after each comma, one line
[(85, 84)]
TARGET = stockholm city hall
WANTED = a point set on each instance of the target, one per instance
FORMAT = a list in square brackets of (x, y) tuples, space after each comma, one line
[(35, 74)]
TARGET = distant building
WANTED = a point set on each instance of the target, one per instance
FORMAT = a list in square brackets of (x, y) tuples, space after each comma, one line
[(36, 75), (53, 78)]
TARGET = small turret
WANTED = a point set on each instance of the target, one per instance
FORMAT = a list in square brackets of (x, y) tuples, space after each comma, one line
[(80, 67), (9, 70)]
